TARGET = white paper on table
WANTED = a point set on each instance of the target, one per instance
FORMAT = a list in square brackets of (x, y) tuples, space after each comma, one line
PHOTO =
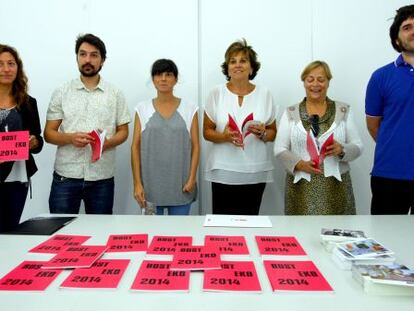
[(237, 221)]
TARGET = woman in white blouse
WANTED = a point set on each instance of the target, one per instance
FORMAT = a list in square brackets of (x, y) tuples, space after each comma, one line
[(239, 162), (316, 140)]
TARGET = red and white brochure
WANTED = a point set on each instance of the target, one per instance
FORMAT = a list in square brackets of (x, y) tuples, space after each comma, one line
[(228, 245), (234, 276), (196, 258), (167, 245), (243, 131), (155, 275), (28, 276), (14, 146), (81, 256), (295, 276), (104, 273), (58, 242), (317, 155), (97, 144), (279, 246), (127, 243)]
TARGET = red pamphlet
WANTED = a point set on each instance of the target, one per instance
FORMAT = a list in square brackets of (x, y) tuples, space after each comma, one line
[(14, 146), (279, 245), (155, 275), (81, 256), (196, 258), (58, 242), (295, 276), (167, 245), (317, 154), (244, 129), (28, 276), (97, 144), (104, 273), (127, 243), (227, 245), (234, 276)]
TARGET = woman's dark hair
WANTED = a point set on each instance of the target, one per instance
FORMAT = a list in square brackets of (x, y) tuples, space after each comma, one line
[(92, 40), (402, 15), (164, 65), (19, 88), (236, 48)]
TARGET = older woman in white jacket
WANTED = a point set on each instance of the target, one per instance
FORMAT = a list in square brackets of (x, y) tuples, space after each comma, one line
[(319, 184)]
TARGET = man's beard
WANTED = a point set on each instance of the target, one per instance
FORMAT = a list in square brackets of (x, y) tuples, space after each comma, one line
[(89, 73), (405, 47)]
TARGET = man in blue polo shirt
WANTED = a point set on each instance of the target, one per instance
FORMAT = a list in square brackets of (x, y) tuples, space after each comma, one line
[(389, 108)]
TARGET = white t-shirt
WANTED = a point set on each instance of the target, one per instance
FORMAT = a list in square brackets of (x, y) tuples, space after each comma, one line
[(233, 165)]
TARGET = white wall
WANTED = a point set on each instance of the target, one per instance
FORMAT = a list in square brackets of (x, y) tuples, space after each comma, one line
[(352, 36)]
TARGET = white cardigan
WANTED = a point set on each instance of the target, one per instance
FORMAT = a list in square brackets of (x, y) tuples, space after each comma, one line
[(290, 144)]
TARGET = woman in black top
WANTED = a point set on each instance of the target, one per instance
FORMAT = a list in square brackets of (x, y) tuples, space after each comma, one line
[(18, 112)]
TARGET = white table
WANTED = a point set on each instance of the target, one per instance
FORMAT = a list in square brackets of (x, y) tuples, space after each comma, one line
[(395, 232)]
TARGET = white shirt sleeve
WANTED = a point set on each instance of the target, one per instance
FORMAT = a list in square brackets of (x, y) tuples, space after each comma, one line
[(210, 108)]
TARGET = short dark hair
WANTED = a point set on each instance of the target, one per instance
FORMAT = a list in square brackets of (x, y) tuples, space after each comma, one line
[(92, 40), (164, 65), (235, 48), (19, 88), (402, 14)]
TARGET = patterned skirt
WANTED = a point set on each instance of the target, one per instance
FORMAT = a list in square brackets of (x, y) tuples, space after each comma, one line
[(321, 196)]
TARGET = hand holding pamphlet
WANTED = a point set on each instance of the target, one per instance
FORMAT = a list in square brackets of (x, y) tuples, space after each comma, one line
[(317, 153), (14, 146), (97, 144), (244, 131)]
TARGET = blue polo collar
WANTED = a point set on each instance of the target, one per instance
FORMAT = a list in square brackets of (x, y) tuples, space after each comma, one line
[(401, 62)]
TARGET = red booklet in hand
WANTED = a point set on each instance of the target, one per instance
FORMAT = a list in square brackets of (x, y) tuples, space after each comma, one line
[(97, 144), (244, 130), (317, 154)]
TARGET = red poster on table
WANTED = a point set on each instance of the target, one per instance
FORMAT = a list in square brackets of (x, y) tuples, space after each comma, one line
[(167, 245), (104, 273), (234, 276), (227, 245), (295, 276), (155, 275), (279, 245), (196, 258), (127, 243), (58, 242), (14, 146), (28, 276), (81, 256)]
